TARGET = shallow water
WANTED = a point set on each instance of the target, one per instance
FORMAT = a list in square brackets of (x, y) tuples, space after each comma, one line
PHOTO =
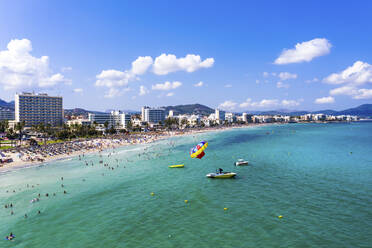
[(317, 176)]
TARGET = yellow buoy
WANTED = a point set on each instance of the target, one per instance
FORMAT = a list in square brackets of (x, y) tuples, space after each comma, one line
[(225, 209), (152, 193), (280, 216), (186, 201)]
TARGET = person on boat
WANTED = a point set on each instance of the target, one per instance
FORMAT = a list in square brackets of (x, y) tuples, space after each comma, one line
[(220, 170)]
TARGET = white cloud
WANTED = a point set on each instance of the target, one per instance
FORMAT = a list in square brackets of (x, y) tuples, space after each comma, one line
[(78, 90), (67, 68), (112, 93), (200, 84), (290, 103), (170, 94), (286, 75), (167, 85), (113, 79), (324, 100), (363, 94), (167, 63), (265, 74), (352, 78), (344, 90), (282, 85), (305, 51), (228, 85), (141, 64), (227, 105), (312, 80), (269, 103), (261, 104), (257, 81), (357, 74), (143, 90), (20, 70)]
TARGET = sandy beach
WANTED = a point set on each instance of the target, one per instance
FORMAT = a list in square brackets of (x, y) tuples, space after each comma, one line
[(27, 156)]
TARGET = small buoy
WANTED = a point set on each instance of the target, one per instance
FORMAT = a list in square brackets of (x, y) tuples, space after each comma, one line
[(186, 201), (152, 193), (225, 209), (280, 216)]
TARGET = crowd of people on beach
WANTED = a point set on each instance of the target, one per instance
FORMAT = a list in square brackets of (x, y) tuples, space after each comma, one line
[(106, 161)]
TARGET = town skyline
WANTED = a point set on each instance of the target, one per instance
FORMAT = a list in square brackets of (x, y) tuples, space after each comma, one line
[(153, 57)]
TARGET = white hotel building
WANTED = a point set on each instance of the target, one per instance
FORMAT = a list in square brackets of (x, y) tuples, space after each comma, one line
[(34, 109)]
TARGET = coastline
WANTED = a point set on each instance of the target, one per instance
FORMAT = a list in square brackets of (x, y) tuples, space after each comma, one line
[(110, 143)]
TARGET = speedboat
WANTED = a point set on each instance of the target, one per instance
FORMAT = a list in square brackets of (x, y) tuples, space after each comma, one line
[(176, 166), (221, 175), (241, 162)]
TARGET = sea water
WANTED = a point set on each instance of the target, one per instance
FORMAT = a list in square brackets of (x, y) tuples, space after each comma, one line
[(318, 177)]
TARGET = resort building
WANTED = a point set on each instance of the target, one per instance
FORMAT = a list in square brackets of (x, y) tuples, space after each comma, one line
[(115, 119), (6, 114), (82, 122), (230, 117), (34, 109), (152, 115)]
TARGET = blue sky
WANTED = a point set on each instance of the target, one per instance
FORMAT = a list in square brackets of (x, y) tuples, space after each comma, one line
[(243, 52)]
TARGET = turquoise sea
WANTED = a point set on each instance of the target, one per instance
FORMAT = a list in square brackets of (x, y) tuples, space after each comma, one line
[(317, 176)]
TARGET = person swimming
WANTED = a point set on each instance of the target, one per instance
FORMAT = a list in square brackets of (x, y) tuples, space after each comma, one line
[(10, 237)]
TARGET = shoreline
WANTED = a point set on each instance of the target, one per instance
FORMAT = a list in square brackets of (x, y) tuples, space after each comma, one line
[(111, 143)]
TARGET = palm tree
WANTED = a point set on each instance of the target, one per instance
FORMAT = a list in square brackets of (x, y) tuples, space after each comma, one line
[(19, 127)]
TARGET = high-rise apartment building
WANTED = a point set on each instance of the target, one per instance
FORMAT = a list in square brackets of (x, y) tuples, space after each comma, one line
[(6, 114), (153, 115), (34, 109)]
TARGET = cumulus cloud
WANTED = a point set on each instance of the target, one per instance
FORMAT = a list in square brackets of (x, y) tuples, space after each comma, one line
[(162, 65), (261, 104), (19, 69), (67, 68), (282, 85), (312, 80), (115, 78), (167, 63), (286, 75), (290, 103), (363, 94), (357, 74), (228, 85), (200, 84), (304, 52), (170, 94), (353, 78), (143, 90), (268, 103), (167, 86), (265, 74), (141, 65), (227, 105), (324, 100), (112, 93), (78, 90)]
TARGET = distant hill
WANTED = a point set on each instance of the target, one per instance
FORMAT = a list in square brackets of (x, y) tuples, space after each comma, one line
[(6, 105), (79, 111), (364, 110), (190, 109)]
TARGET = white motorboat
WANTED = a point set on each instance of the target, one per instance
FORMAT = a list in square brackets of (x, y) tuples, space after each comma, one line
[(241, 162)]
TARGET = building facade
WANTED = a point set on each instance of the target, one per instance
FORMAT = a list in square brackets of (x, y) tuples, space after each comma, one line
[(6, 114), (153, 115), (34, 109), (115, 119)]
